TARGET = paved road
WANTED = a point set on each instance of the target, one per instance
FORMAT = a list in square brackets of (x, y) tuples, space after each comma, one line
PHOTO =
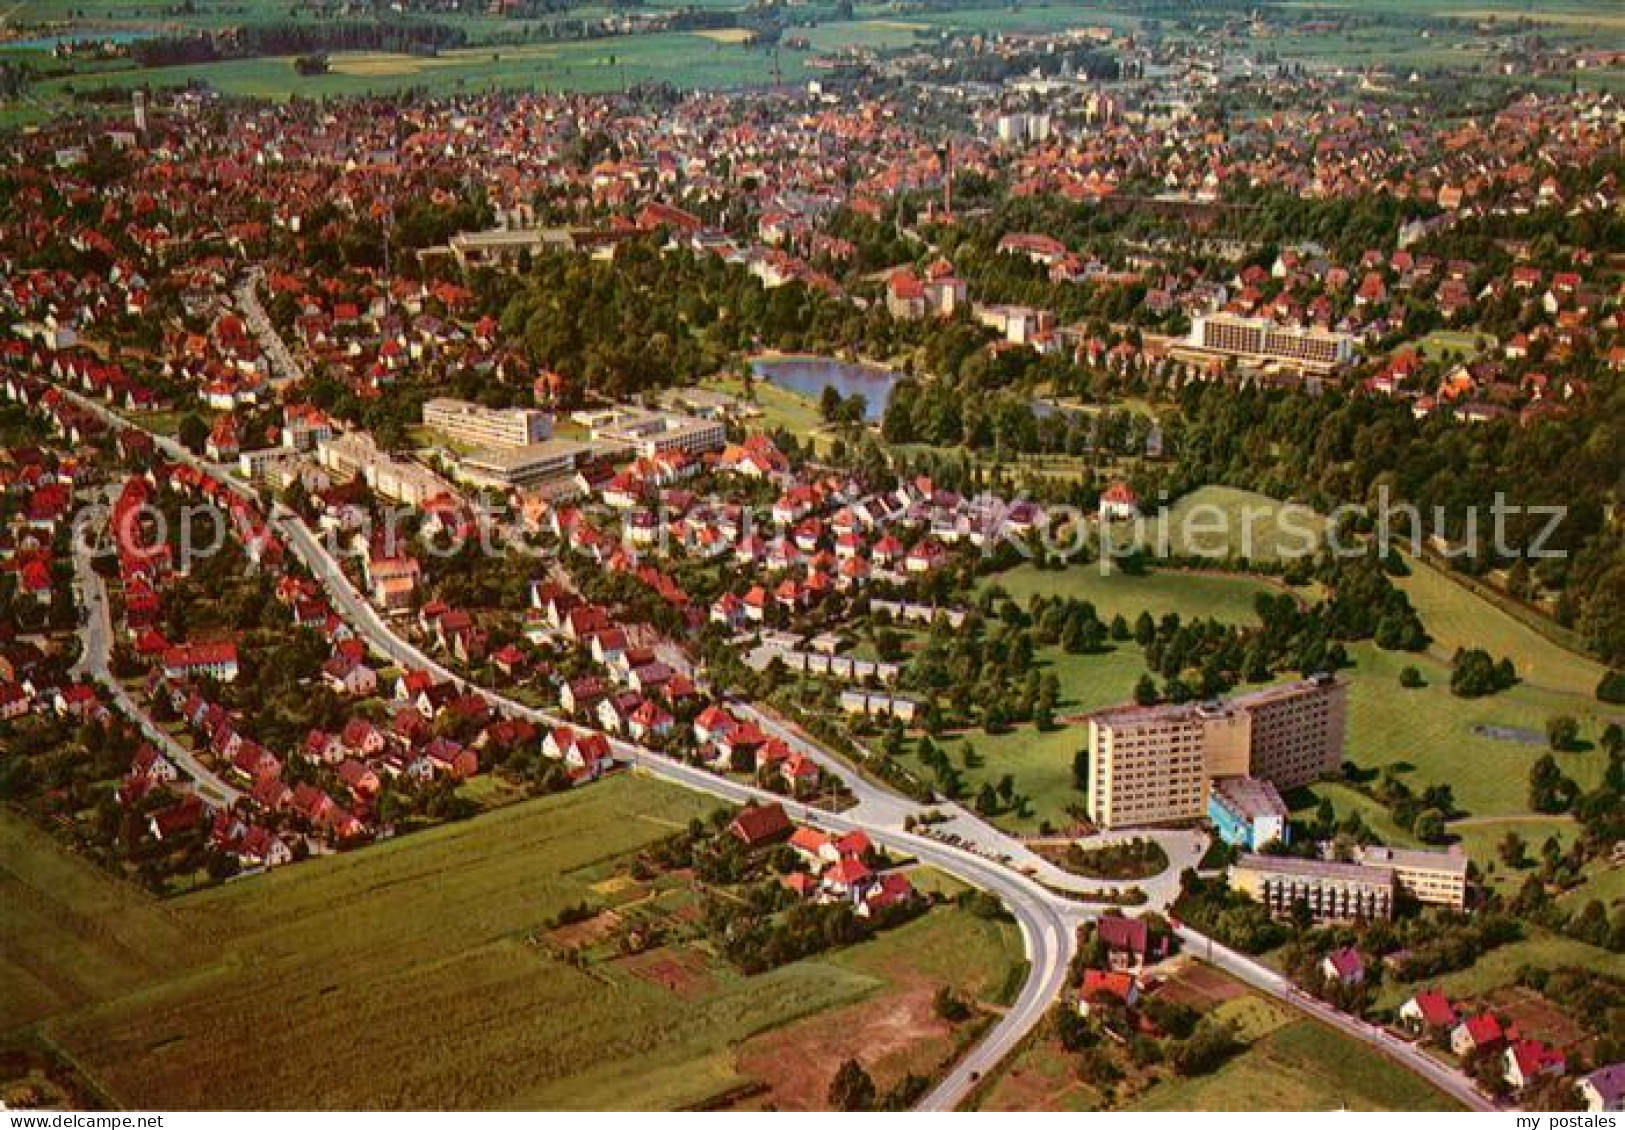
[(878, 804), (284, 367), (96, 646), (1454, 1083), (1048, 920), (1048, 924)]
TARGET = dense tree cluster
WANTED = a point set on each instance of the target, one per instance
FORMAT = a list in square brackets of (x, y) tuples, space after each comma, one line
[(1332, 449), (1473, 673), (255, 40), (1227, 916)]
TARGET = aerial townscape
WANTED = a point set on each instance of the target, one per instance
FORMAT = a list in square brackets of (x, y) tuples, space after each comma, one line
[(813, 555)]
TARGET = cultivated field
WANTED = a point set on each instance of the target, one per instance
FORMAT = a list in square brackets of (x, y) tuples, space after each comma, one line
[(71, 935), (897, 1032), (368, 980)]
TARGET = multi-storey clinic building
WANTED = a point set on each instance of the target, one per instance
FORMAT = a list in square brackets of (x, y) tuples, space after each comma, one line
[(1156, 764), (1333, 892), (487, 427), (1261, 340)]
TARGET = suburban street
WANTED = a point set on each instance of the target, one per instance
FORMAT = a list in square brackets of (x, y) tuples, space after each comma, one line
[(283, 365), (96, 647), (992, 860), (1454, 1083)]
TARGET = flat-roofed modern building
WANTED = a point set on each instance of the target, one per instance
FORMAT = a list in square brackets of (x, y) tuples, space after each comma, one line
[(487, 427), (506, 247), (1147, 765), (650, 433), (504, 468), (1247, 812), (1333, 892), (356, 455), (1261, 340), (1438, 878), (1154, 765)]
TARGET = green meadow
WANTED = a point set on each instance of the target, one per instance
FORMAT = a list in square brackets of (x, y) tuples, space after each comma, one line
[(367, 980)]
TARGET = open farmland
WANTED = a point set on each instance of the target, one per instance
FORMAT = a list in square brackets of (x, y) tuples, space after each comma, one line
[(899, 1031), (682, 59), (70, 934), (296, 963)]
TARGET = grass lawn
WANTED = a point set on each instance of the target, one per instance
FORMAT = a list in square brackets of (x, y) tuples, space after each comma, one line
[(1439, 344), (1217, 522), (1301, 1066), (1500, 967), (1456, 617), (1433, 731), (1218, 596), (427, 946), (780, 407), (1481, 838), (1345, 800), (1042, 762), (1428, 729), (164, 423), (1602, 881)]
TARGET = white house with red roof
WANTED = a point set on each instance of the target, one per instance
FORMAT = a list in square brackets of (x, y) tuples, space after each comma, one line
[(1119, 501), (1427, 1011), (1526, 1062), (216, 660)]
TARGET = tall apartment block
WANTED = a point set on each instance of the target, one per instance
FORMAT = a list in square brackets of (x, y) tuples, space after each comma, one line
[(1157, 764), (1295, 731)]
